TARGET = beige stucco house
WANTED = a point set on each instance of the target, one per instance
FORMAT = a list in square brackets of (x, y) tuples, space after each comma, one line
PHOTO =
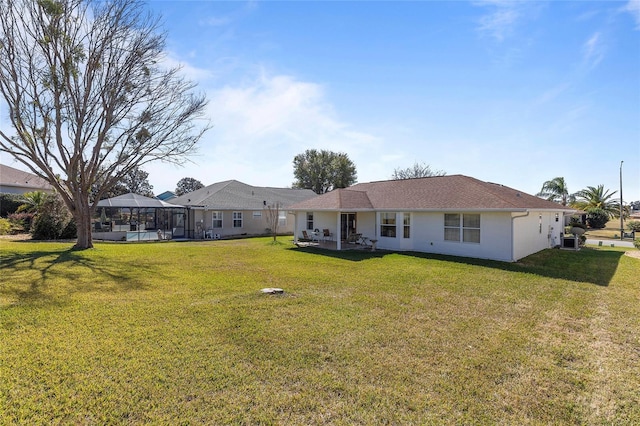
[(454, 215), (233, 208)]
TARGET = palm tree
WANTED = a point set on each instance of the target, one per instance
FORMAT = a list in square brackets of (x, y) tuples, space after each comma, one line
[(556, 190), (597, 198), (32, 201)]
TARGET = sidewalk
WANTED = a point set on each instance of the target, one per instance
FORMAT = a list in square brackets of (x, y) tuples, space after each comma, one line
[(608, 243)]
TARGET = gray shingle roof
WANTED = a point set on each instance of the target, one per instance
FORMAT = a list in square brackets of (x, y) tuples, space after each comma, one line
[(455, 192), (231, 194), (12, 177)]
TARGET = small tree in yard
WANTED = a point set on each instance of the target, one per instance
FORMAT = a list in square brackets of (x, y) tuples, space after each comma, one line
[(322, 171), (87, 99), (188, 184), (53, 220), (272, 215), (597, 218)]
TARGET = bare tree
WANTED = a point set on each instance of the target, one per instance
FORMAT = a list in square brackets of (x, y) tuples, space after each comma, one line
[(273, 218), (87, 98), (418, 170)]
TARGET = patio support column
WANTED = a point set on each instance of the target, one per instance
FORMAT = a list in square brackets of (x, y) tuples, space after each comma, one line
[(337, 231), (295, 227)]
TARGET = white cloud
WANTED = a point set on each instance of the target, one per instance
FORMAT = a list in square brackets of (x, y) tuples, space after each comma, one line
[(189, 71), (259, 126), (552, 94), (500, 22), (593, 50), (504, 16), (215, 21), (633, 7)]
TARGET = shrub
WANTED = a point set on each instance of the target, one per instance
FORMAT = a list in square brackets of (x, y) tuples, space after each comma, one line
[(52, 221), (597, 218), (9, 203), (20, 222), (637, 243), (634, 225), (5, 226)]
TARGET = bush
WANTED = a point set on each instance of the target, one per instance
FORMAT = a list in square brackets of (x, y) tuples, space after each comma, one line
[(597, 218), (53, 220), (637, 243), (5, 226), (634, 225), (9, 203), (20, 222)]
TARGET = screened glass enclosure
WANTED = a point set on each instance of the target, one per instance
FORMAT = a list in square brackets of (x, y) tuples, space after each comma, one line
[(132, 217)]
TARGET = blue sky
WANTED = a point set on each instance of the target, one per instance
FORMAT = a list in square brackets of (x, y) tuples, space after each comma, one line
[(510, 92)]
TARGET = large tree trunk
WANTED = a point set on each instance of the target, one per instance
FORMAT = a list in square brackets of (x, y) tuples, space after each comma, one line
[(82, 215)]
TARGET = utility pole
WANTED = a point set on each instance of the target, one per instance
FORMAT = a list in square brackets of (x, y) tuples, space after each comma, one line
[(621, 214)]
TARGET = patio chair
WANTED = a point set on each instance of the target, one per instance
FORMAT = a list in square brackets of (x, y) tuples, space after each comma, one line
[(313, 237), (327, 235), (354, 238)]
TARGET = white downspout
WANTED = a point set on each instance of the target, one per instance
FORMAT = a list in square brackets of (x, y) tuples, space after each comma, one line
[(338, 230), (295, 228)]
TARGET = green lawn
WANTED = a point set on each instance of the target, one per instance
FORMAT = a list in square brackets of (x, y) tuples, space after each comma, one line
[(610, 231), (179, 333)]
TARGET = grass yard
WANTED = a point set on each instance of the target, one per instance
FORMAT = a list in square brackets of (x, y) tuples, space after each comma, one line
[(179, 333), (610, 231)]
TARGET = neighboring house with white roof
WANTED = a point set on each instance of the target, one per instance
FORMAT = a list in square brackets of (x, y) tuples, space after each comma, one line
[(454, 215), (233, 208), (14, 181)]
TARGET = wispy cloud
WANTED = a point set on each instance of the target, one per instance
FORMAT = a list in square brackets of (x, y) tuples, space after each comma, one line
[(633, 7), (500, 22), (228, 19), (282, 111), (593, 50), (215, 21), (551, 94), (259, 126), (503, 17), (190, 72)]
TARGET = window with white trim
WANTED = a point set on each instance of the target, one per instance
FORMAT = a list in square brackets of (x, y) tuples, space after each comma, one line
[(388, 225), (462, 227), (257, 214), (471, 228), (451, 227), (237, 219), (407, 225), (282, 218), (309, 221), (216, 219)]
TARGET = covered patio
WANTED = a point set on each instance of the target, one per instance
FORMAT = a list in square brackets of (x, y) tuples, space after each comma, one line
[(333, 245), (133, 217)]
